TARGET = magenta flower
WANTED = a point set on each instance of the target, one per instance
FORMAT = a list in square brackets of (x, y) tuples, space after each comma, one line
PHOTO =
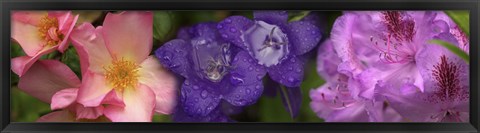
[(40, 33), (335, 100), (119, 71), (53, 82)]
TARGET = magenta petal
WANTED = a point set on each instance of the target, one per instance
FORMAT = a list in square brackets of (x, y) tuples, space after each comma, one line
[(64, 98), (47, 77)]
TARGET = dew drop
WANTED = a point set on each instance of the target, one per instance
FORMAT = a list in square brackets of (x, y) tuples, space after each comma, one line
[(248, 91), (195, 87), (204, 94), (233, 30), (290, 79), (219, 26), (228, 20)]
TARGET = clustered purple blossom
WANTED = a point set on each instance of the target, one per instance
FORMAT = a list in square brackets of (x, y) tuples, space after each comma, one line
[(379, 67)]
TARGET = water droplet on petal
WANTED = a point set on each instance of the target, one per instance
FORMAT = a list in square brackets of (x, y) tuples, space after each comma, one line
[(204, 94), (258, 86), (195, 87), (228, 20), (233, 30), (219, 26), (250, 68), (292, 60), (236, 79), (248, 91), (290, 79), (224, 35)]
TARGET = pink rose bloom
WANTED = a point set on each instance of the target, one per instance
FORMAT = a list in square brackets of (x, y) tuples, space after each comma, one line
[(119, 72), (39, 33), (53, 82)]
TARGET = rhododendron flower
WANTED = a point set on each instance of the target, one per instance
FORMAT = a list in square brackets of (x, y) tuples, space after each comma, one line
[(334, 101), (53, 82), (382, 46), (273, 43), (40, 33), (446, 80), (119, 71), (213, 69)]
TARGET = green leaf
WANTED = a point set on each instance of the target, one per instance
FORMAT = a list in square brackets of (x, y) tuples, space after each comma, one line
[(456, 50), (298, 16), (162, 24), (462, 19)]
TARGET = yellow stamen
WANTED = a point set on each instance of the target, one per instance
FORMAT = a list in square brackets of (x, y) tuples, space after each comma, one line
[(122, 74), (48, 30)]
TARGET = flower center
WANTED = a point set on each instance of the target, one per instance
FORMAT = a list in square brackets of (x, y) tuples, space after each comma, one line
[(211, 58), (397, 45), (122, 74), (267, 43), (48, 30)]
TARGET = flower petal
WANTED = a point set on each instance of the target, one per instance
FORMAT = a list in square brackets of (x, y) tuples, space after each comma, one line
[(199, 98), (66, 22), (162, 82), (47, 77), (273, 17), (245, 81), (139, 106), (88, 112), (64, 98), (327, 61), (214, 116), (232, 28), (58, 116), (129, 35), (29, 17), (91, 48), (173, 56), (28, 37), (289, 72), (93, 90), (303, 36)]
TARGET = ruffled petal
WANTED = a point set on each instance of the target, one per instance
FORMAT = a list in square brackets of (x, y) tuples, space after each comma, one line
[(93, 90), (88, 112), (66, 22), (199, 98), (245, 81), (327, 61), (273, 17), (289, 72), (303, 36), (129, 35), (91, 48), (28, 37), (139, 106), (20, 65), (162, 82), (232, 29), (174, 56), (47, 77), (64, 98), (58, 116)]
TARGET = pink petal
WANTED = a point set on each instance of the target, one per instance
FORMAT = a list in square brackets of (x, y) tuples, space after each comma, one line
[(93, 90), (58, 116), (88, 112), (66, 22), (139, 106), (28, 37), (91, 48), (29, 17), (20, 65), (114, 98), (47, 77), (129, 35), (64, 98), (162, 82)]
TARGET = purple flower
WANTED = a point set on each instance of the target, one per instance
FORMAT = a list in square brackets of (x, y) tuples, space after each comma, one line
[(274, 44), (336, 100), (446, 80), (213, 69)]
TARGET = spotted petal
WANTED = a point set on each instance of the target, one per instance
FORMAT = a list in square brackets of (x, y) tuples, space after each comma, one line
[(198, 97), (289, 72), (233, 27), (272, 17)]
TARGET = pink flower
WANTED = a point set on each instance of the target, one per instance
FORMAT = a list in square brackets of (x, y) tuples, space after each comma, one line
[(53, 82), (119, 71), (40, 33)]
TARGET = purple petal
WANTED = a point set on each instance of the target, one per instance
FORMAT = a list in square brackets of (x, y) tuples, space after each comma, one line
[(273, 17), (246, 81), (231, 29), (184, 33), (303, 36), (288, 73), (198, 97), (173, 55), (292, 100), (206, 30), (214, 116), (327, 61)]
